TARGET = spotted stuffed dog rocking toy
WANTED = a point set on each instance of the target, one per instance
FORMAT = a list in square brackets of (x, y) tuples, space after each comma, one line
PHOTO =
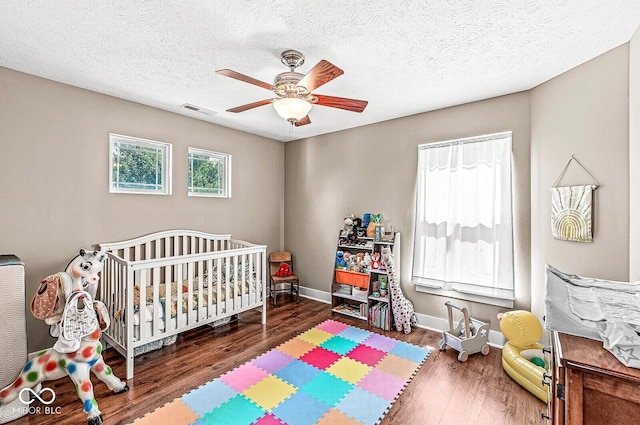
[(78, 350)]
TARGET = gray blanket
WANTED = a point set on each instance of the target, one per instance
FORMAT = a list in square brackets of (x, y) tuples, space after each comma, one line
[(603, 310)]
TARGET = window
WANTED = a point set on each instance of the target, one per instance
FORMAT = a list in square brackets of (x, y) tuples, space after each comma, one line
[(463, 246), (209, 173), (139, 166)]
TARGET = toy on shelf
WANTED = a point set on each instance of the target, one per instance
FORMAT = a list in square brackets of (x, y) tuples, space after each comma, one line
[(383, 286), (347, 228), (78, 351), (376, 220), (469, 336), (375, 261), (366, 218)]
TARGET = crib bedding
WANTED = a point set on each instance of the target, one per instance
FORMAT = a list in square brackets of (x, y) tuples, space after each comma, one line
[(157, 310), (151, 327)]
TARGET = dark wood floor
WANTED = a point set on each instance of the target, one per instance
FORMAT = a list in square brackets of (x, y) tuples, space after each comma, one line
[(444, 391)]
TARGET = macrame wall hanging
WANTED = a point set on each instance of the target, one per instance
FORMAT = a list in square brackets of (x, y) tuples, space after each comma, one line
[(571, 208)]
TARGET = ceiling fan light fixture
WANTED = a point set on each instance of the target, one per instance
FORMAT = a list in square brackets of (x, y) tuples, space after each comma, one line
[(292, 109)]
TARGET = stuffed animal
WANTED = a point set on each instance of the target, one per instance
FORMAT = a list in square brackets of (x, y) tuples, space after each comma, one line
[(366, 218), (366, 261), (348, 225), (353, 263), (404, 315), (340, 262), (284, 270), (375, 222), (375, 261)]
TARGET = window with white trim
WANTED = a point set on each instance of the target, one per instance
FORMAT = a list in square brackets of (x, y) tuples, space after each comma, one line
[(209, 173), (463, 245), (139, 165)]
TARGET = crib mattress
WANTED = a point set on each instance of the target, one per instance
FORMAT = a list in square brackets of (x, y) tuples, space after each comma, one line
[(157, 326)]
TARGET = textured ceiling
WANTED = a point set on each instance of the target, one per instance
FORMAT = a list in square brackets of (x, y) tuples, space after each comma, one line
[(404, 57)]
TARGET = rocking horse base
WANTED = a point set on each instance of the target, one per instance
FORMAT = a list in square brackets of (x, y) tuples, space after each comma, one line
[(96, 420)]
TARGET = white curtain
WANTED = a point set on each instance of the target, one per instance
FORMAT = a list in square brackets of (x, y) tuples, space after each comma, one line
[(463, 233)]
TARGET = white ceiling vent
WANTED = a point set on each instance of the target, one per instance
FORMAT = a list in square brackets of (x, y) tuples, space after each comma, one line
[(195, 108)]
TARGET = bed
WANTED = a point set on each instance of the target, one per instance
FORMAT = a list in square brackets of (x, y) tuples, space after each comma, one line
[(159, 285)]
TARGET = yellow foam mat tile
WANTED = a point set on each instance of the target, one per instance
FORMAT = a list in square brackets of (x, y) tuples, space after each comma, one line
[(349, 370), (315, 336), (269, 392)]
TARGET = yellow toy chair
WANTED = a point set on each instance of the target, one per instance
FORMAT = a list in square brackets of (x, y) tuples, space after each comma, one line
[(523, 331)]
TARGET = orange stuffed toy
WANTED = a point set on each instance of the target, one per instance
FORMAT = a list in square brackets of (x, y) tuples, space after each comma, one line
[(284, 270)]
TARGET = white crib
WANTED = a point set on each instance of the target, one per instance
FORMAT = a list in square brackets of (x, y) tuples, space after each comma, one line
[(159, 285)]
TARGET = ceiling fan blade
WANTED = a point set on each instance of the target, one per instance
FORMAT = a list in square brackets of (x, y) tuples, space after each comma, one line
[(322, 73), (303, 121), (245, 78), (250, 106), (353, 105)]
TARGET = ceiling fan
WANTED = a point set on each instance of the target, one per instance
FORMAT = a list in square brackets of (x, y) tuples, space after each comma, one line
[(293, 90)]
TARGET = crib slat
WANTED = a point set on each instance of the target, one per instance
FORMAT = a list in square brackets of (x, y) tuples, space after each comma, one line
[(142, 313), (155, 321), (251, 278), (200, 292), (209, 307), (227, 285), (189, 292), (219, 286), (168, 323), (243, 280)]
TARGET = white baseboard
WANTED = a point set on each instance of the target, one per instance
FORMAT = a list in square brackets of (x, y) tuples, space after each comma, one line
[(437, 324), (314, 294)]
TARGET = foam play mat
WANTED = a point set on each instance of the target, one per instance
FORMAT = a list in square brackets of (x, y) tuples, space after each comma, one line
[(332, 374)]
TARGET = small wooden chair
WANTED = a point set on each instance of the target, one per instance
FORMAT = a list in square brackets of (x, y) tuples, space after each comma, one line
[(275, 260)]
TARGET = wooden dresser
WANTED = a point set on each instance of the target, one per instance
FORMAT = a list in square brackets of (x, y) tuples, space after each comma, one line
[(590, 386)]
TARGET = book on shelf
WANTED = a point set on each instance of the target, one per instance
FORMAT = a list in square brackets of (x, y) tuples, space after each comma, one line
[(379, 316), (353, 309)]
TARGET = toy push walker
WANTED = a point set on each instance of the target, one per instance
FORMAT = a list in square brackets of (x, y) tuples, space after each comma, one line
[(468, 337)]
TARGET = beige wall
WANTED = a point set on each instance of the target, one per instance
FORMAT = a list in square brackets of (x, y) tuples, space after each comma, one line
[(582, 112), (54, 172), (373, 169), (634, 157), (54, 151)]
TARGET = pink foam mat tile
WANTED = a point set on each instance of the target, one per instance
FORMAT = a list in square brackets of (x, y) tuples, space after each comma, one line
[(244, 377), (382, 384), (332, 326)]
